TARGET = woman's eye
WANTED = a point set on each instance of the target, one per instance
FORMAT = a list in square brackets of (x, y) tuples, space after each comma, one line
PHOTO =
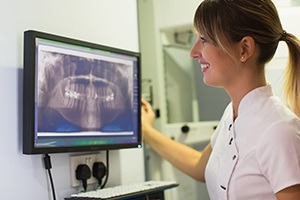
[(203, 40)]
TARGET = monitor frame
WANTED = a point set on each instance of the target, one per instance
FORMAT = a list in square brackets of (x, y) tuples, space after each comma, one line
[(29, 93)]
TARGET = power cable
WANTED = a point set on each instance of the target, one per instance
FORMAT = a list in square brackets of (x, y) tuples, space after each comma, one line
[(48, 166)]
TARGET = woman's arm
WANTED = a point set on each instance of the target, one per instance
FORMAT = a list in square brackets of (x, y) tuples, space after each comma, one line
[(183, 157), (290, 193)]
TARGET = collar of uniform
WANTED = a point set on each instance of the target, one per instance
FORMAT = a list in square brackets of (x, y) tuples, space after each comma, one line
[(253, 97)]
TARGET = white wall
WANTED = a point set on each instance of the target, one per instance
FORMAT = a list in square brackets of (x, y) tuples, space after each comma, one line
[(177, 12), (107, 22)]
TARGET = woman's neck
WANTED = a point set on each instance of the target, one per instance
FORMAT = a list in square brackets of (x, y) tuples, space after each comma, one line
[(243, 86)]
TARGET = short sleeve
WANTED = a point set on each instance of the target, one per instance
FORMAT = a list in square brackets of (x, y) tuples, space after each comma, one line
[(279, 155)]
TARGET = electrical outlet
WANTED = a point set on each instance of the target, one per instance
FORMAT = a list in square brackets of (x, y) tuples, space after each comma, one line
[(87, 159)]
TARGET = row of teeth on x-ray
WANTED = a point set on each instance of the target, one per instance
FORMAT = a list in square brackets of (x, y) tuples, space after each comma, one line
[(75, 93)]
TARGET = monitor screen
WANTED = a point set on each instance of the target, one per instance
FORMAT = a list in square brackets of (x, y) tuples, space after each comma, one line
[(79, 96)]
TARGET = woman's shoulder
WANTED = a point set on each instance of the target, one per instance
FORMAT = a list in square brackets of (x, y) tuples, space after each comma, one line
[(283, 130)]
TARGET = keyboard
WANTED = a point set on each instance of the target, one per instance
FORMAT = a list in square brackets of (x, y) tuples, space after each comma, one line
[(125, 191)]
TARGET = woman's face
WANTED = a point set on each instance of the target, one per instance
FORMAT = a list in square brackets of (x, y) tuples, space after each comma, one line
[(218, 67)]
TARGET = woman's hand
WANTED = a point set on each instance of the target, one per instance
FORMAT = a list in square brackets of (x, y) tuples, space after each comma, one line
[(148, 117)]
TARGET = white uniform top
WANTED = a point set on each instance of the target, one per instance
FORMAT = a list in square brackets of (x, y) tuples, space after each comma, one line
[(258, 154)]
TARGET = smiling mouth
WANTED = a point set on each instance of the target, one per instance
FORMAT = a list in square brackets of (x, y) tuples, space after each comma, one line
[(204, 66)]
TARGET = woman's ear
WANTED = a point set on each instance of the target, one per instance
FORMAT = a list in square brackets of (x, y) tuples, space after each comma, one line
[(247, 45)]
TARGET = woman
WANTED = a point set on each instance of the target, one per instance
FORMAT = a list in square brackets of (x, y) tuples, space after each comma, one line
[(255, 151)]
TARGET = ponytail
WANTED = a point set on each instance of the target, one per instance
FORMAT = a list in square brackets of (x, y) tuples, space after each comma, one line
[(292, 79)]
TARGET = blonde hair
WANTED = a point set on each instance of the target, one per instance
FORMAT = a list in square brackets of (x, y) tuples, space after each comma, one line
[(228, 21), (292, 80)]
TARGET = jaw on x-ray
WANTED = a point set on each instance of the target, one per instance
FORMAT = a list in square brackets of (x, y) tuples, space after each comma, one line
[(82, 94)]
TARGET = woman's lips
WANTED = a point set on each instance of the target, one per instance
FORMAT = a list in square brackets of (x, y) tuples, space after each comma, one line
[(204, 67)]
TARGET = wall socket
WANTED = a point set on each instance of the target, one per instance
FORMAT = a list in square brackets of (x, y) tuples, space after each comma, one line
[(88, 159)]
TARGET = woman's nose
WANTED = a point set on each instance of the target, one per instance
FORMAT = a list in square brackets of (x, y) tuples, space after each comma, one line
[(195, 51)]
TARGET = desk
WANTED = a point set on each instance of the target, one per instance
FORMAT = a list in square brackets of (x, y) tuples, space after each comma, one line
[(151, 196)]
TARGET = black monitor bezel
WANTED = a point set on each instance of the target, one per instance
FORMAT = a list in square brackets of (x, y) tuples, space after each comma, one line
[(29, 74)]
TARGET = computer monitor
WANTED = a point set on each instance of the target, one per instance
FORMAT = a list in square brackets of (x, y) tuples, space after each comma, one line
[(79, 96)]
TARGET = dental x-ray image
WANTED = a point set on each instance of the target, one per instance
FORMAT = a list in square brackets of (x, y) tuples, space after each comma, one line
[(78, 93)]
